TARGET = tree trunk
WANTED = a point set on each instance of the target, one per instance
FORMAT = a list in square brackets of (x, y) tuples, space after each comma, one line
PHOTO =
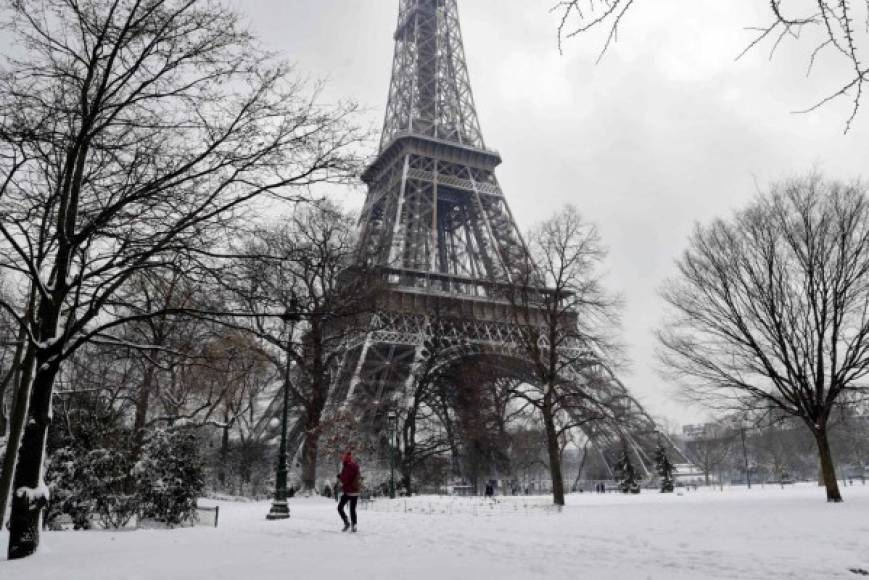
[(224, 454), (22, 374), (142, 404), (310, 448), (828, 467), (22, 381), (406, 480), (554, 457), (24, 521), (309, 459), (405, 467), (314, 411)]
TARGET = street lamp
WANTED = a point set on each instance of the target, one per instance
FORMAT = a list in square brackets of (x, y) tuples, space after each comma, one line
[(392, 429), (280, 509)]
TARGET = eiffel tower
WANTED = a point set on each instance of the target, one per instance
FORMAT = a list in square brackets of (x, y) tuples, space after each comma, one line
[(438, 226)]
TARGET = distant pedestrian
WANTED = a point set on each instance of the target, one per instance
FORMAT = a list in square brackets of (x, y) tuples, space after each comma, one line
[(490, 490), (351, 484)]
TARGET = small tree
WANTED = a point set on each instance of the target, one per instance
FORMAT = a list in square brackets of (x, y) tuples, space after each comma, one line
[(665, 468), (712, 450), (558, 300), (626, 473), (421, 433), (342, 432)]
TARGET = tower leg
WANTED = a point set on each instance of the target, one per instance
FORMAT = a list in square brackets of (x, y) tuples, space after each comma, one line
[(357, 372)]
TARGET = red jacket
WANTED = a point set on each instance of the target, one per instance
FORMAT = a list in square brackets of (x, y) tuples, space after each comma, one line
[(351, 478)]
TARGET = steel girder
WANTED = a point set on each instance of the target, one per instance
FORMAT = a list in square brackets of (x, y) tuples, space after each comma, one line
[(430, 93), (383, 363)]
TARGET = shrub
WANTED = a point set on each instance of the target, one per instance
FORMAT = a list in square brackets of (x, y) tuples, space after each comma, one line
[(169, 477)]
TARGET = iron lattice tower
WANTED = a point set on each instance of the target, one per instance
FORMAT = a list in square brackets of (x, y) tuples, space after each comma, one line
[(435, 213), (436, 223)]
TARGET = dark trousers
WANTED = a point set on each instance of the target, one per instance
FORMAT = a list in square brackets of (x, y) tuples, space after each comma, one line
[(345, 499)]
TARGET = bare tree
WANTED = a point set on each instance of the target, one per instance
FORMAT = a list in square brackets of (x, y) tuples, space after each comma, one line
[(133, 131), (775, 450), (188, 369), (528, 453), (770, 308), (564, 313), (833, 27), (299, 272), (422, 434), (247, 376), (850, 435), (711, 451)]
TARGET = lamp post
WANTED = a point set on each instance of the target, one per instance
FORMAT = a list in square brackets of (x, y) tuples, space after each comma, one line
[(280, 509), (392, 428)]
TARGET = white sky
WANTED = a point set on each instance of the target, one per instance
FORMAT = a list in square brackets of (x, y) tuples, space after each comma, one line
[(666, 131)]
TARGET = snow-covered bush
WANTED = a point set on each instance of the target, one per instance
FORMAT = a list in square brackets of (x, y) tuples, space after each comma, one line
[(68, 489), (110, 486), (89, 464), (169, 477)]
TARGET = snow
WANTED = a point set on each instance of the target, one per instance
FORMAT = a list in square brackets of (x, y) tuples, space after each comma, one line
[(34, 495), (738, 533)]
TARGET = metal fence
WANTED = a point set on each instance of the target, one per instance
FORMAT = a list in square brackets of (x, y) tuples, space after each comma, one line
[(207, 516)]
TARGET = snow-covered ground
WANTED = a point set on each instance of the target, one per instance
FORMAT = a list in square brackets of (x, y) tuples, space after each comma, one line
[(736, 534)]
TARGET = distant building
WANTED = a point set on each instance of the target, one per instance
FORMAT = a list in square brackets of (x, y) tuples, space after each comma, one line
[(692, 432)]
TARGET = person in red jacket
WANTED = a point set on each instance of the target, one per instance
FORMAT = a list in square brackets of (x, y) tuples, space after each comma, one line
[(351, 484)]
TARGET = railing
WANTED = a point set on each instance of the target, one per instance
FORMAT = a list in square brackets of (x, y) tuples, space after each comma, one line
[(453, 181), (206, 515), (446, 283)]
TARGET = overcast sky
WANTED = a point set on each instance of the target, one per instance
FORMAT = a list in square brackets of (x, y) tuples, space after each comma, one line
[(668, 130)]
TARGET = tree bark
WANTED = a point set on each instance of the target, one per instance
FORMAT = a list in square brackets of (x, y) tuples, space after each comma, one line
[(22, 373), (24, 521), (405, 465), (311, 446), (828, 467), (554, 456), (406, 481), (22, 382), (224, 454), (142, 405), (309, 459)]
